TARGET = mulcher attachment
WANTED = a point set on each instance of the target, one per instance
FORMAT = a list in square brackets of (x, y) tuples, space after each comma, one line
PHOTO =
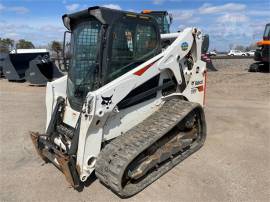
[(134, 160), (15, 65), (42, 70)]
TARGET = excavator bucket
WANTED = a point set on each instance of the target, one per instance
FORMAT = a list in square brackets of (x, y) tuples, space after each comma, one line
[(42, 70), (2, 59), (16, 64)]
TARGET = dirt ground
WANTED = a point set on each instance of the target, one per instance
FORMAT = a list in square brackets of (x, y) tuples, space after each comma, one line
[(233, 165)]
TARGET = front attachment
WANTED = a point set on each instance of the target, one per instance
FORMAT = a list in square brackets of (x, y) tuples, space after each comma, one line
[(50, 152), (58, 154)]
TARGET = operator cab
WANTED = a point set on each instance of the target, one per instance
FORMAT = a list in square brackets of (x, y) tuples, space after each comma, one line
[(105, 44), (266, 35)]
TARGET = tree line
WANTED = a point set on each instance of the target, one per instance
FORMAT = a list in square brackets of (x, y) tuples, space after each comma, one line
[(252, 46), (7, 44)]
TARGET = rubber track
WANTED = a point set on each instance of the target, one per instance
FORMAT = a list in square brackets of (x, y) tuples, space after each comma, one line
[(120, 152)]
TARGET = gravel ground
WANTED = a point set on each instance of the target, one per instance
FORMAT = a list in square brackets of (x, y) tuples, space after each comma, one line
[(229, 64), (232, 166)]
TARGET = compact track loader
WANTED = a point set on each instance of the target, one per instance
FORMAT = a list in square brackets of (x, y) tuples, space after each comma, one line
[(127, 109)]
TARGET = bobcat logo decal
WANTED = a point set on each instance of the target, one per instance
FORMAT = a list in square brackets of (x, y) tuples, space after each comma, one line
[(106, 100)]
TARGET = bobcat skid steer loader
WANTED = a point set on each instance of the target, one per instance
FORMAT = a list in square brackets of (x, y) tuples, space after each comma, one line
[(127, 109)]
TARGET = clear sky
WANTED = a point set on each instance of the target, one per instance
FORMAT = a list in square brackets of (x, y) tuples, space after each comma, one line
[(226, 21)]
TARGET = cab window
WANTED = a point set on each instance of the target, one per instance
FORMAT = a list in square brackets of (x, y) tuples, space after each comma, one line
[(133, 43), (267, 31)]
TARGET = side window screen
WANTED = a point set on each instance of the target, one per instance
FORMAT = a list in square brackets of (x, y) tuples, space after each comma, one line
[(84, 50), (133, 43)]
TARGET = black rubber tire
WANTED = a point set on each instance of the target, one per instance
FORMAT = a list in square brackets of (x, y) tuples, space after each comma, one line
[(254, 67)]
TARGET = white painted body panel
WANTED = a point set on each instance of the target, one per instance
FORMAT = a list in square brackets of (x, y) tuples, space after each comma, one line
[(35, 50), (70, 116), (54, 90), (120, 122), (170, 35)]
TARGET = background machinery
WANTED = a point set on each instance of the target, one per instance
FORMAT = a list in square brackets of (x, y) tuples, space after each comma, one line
[(262, 54), (16, 62), (2, 59), (163, 18), (41, 70), (127, 109), (33, 65)]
